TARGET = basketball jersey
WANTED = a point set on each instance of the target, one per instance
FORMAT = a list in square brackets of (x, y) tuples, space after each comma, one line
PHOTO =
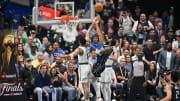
[(83, 58), (138, 67), (175, 92), (109, 62)]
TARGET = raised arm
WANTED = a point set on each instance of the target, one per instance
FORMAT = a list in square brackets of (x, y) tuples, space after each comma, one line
[(71, 55), (88, 33), (100, 34)]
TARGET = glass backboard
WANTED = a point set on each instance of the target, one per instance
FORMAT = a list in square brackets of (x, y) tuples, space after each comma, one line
[(50, 11)]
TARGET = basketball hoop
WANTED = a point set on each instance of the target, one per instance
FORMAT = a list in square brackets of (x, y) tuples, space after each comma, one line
[(70, 25)]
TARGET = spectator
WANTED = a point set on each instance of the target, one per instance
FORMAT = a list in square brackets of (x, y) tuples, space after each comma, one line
[(44, 44), (133, 48), (27, 46), (167, 58), (27, 76), (35, 39), (82, 35), (140, 34), (33, 52), (80, 27), (151, 19), (159, 31), (156, 21), (124, 54), (20, 50), (121, 35), (20, 64), (171, 18), (110, 35), (45, 62), (56, 50), (136, 14), (170, 36), (176, 44), (151, 82), (155, 14), (122, 76), (165, 19), (43, 84), (126, 21), (71, 83), (107, 11), (21, 34), (152, 36), (117, 12), (149, 51), (126, 46), (48, 55), (95, 43), (163, 42), (146, 25), (59, 65), (135, 57), (110, 25), (57, 81), (128, 65), (38, 61)]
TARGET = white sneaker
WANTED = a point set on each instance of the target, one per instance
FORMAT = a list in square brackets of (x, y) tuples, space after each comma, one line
[(99, 99), (83, 98), (90, 95), (114, 93), (113, 99)]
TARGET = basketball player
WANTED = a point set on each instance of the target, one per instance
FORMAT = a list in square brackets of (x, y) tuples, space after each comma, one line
[(84, 68), (108, 74)]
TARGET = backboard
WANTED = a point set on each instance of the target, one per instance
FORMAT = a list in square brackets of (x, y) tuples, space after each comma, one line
[(50, 11)]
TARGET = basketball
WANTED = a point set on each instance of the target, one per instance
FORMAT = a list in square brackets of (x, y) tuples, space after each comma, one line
[(98, 7)]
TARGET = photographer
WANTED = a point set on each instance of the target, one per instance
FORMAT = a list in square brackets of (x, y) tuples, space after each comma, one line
[(173, 89)]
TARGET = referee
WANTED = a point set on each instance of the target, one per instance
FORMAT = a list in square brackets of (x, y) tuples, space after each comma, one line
[(138, 85)]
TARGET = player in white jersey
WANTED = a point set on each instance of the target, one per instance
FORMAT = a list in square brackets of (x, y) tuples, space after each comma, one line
[(84, 68)]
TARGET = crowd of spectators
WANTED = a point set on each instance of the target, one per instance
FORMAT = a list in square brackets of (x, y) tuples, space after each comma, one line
[(148, 51)]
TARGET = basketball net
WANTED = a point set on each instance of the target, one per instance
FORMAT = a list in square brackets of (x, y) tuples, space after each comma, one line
[(70, 28)]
